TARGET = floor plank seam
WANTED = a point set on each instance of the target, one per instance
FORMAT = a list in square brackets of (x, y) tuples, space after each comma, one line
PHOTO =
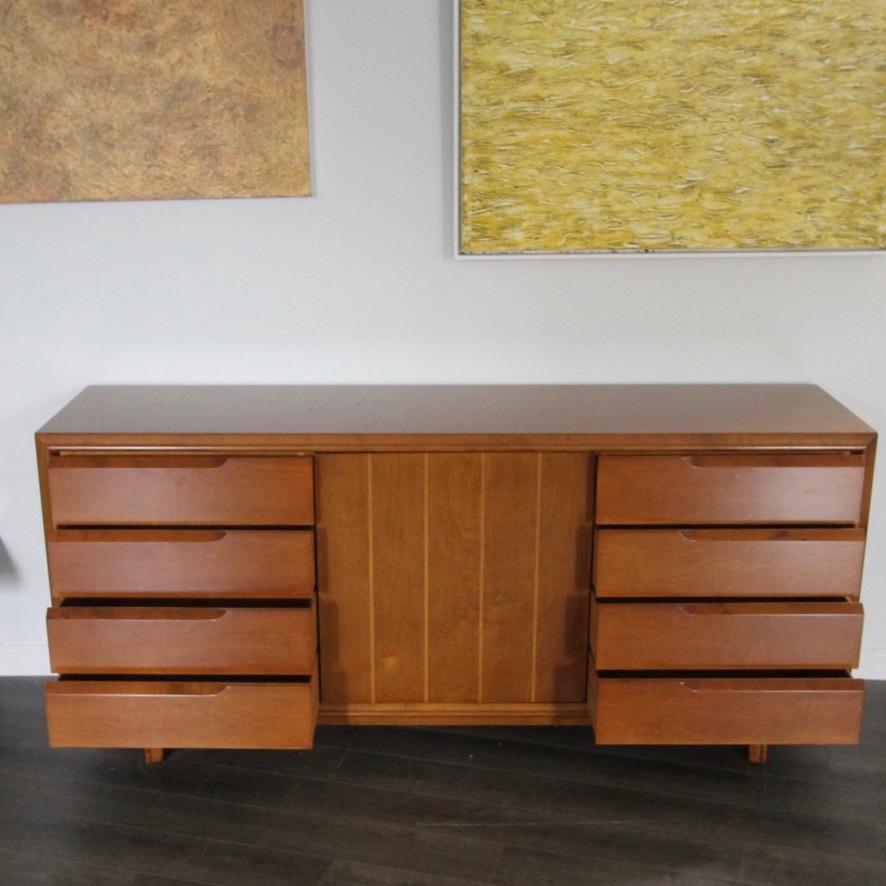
[(566, 819), (589, 784), (562, 818)]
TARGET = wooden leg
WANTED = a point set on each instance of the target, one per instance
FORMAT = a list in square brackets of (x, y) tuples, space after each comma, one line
[(154, 755), (757, 752)]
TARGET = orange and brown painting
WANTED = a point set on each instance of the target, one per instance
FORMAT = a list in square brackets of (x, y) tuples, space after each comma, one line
[(135, 100), (647, 125)]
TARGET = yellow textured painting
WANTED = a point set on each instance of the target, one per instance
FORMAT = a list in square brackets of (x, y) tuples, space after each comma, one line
[(653, 125), (152, 99)]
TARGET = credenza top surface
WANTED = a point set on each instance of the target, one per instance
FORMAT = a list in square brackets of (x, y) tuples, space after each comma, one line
[(590, 414)]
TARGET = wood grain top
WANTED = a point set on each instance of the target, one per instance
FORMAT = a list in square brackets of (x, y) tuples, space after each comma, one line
[(350, 416)]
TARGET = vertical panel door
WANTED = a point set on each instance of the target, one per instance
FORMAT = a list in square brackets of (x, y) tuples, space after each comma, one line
[(454, 577)]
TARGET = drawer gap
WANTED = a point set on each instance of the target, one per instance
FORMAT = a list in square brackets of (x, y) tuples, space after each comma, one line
[(831, 524), (628, 601), (185, 678), (742, 674), (190, 602), (167, 454), (183, 527)]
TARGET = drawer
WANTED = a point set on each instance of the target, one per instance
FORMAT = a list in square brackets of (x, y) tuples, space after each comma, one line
[(728, 562), (725, 710), (726, 636), (181, 563), (726, 489), (181, 640), (186, 714), (180, 490)]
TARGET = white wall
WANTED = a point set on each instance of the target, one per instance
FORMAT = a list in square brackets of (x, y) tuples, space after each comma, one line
[(358, 284)]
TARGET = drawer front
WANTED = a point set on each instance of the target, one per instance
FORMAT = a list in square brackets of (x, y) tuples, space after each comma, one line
[(726, 636), (728, 562), (133, 714), (726, 710), (181, 563), (725, 489), (181, 491), (181, 640)]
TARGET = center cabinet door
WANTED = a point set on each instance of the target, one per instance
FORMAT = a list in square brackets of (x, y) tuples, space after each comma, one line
[(454, 578)]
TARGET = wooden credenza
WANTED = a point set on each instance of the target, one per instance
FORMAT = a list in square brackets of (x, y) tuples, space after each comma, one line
[(230, 566)]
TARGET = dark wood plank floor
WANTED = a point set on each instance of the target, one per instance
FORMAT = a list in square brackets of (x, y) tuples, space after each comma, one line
[(438, 807)]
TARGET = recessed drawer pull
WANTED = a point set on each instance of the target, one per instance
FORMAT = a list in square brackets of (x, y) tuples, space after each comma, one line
[(775, 460), (207, 614), (195, 689), (756, 685), (701, 686), (77, 461), (727, 610), (115, 614), (147, 689), (742, 534)]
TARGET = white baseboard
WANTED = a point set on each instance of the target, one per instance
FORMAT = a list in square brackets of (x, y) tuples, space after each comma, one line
[(32, 659)]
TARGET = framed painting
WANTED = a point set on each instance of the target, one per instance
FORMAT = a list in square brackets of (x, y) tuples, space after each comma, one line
[(597, 126), (133, 100)]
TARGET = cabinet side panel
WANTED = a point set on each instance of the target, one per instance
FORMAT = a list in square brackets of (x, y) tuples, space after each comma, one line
[(564, 576), (510, 553), (344, 585), (45, 504), (870, 458), (453, 587), (398, 575)]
